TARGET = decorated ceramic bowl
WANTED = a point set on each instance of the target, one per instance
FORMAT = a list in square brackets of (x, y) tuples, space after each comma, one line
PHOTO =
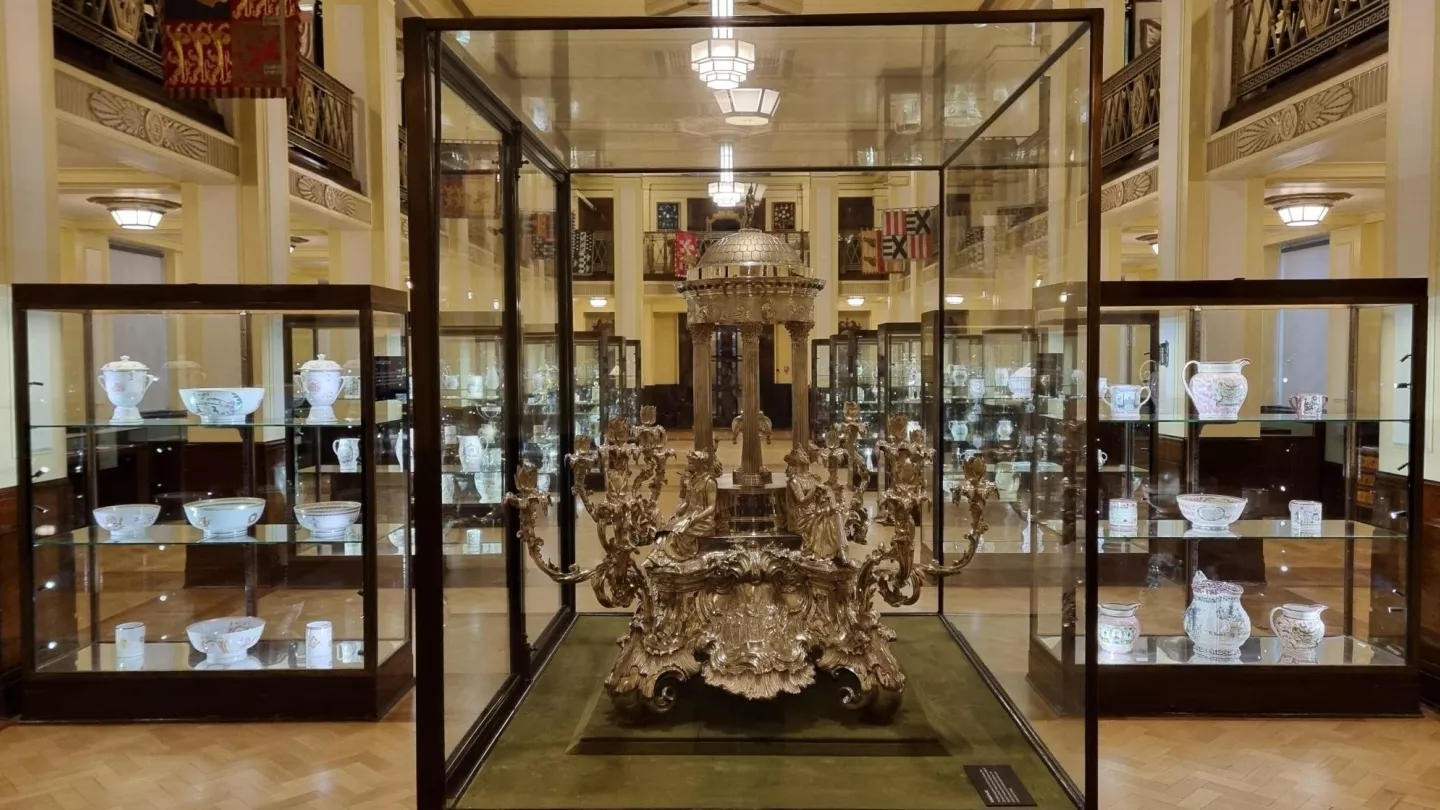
[(327, 519), (222, 406), (225, 641), (126, 519), (224, 517), (1210, 512)]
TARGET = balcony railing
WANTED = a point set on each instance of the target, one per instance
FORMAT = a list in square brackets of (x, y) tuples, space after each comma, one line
[(594, 258), (1130, 106), (120, 42), (1276, 40), (850, 251), (322, 124), (660, 262)]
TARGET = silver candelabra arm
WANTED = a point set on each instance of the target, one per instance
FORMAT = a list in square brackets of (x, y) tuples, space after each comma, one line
[(975, 489)]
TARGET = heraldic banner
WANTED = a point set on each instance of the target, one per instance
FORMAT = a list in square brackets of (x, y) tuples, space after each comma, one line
[(232, 48), (906, 235)]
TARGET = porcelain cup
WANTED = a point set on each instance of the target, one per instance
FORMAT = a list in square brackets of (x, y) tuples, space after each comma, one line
[(347, 451), (1309, 406), (1305, 515), (125, 389), (976, 387), (318, 637), (475, 385), (1125, 401), (130, 640), (1101, 457)]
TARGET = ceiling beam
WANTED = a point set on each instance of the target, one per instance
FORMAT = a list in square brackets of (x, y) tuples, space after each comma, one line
[(661, 8)]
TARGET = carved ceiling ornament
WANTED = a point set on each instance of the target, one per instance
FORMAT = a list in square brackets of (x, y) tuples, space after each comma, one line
[(1317, 110), (154, 127)]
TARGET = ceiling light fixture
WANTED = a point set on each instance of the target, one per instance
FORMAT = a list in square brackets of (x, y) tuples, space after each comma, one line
[(495, 304), (954, 300), (722, 60), (1303, 210), (855, 300), (726, 193), (747, 106), (1151, 239), (599, 302), (136, 213), (297, 240)]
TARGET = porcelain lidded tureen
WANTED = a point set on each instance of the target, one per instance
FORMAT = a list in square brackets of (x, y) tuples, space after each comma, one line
[(322, 379), (125, 382)]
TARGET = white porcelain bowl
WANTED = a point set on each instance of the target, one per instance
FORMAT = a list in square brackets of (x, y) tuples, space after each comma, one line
[(126, 519), (225, 641), (224, 517), (327, 519), (1210, 512), (222, 406)]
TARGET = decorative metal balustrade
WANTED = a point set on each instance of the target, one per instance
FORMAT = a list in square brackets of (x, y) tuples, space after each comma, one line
[(125, 30), (1274, 40), (1130, 110), (660, 264), (594, 258), (322, 124)]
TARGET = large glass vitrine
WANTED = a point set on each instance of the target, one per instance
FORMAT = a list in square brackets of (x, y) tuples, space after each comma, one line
[(822, 413), (216, 514), (515, 683)]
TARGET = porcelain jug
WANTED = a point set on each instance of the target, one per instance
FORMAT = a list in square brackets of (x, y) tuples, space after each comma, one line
[(1218, 389), (1299, 627), (125, 382), (1021, 381), (1215, 620), (321, 380)]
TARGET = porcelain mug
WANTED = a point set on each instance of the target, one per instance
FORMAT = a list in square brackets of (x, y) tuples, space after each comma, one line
[(347, 451), (350, 387), (1124, 514), (1125, 401), (1309, 406), (1101, 457), (318, 637), (1305, 515), (1103, 385), (475, 385), (447, 487), (350, 652), (130, 640), (977, 387), (472, 541)]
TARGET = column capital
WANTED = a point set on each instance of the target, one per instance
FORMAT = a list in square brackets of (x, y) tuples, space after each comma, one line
[(799, 329)]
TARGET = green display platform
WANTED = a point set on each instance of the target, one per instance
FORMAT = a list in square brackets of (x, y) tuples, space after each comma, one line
[(564, 749)]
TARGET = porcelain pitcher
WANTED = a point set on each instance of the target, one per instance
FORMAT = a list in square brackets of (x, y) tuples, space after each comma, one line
[(1215, 621), (1218, 389), (1299, 627)]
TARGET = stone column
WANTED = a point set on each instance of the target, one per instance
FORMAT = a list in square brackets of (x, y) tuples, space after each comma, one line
[(751, 463), (799, 384), (701, 335)]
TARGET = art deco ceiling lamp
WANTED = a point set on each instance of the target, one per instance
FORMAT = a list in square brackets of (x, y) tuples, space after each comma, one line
[(136, 213), (727, 193), (722, 60), (1304, 210), (1151, 239), (747, 106)]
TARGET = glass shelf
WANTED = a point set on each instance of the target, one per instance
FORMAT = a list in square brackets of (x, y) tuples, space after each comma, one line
[(1257, 651), (1258, 529), (1263, 418), (163, 534), (194, 422), (179, 656)]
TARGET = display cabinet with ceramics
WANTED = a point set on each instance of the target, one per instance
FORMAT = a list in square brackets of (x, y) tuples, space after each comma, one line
[(899, 371), (822, 404), (1259, 454), (599, 378), (472, 416), (855, 375), (220, 551)]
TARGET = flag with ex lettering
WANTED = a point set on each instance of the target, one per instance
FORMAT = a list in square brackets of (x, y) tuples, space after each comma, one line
[(231, 48), (907, 235)]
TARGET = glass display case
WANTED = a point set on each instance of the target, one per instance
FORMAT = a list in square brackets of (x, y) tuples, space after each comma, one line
[(217, 503), (898, 370), (822, 412), (598, 393), (472, 416), (1259, 493), (855, 372), (630, 370)]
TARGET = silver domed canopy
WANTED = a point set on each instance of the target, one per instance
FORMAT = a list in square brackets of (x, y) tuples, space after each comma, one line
[(749, 252)]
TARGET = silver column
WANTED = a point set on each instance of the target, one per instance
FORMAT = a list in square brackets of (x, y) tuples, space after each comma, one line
[(799, 384), (701, 335), (752, 470)]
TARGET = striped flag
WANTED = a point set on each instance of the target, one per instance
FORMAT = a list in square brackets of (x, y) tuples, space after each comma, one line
[(907, 234)]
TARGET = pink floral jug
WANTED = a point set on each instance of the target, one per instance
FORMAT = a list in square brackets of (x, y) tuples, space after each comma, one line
[(1218, 389)]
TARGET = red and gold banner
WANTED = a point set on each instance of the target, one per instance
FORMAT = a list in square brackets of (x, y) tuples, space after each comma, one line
[(232, 48)]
